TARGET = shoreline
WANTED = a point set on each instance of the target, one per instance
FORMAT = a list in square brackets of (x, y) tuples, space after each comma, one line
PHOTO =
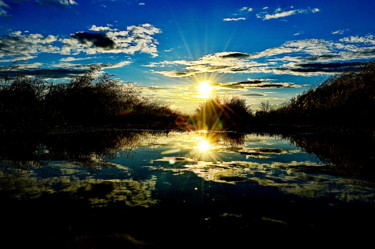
[(283, 129)]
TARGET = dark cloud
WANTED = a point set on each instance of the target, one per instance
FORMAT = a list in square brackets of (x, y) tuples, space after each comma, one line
[(258, 83), (253, 94), (323, 67), (44, 73), (249, 82), (97, 39), (322, 57), (235, 55)]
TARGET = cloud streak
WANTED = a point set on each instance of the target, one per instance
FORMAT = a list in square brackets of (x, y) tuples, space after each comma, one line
[(234, 19), (258, 84)]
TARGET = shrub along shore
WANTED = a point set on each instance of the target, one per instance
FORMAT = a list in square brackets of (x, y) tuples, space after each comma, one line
[(344, 103)]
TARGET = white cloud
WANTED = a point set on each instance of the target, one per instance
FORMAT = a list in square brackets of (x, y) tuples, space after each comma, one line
[(101, 28), (67, 59), (20, 46), (134, 39), (368, 39), (234, 19), (246, 9), (280, 13)]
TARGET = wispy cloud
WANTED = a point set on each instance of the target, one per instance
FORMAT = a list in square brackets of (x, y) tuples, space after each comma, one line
[(3, 8), (339, 31), (67, 59), (280, 13), (239, 15)]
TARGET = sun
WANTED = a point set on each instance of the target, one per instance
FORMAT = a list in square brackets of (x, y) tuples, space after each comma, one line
[(204, 88), (204, 146)]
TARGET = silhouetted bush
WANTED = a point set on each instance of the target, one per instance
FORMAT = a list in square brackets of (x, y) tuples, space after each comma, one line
[(222, 114)]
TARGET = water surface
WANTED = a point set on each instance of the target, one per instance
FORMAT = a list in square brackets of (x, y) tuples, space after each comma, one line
[(150, 190)]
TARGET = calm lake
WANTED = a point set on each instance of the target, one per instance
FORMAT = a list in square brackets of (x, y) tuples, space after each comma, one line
[(143, 189)]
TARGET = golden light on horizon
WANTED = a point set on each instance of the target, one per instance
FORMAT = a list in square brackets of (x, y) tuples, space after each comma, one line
[(204, 89)]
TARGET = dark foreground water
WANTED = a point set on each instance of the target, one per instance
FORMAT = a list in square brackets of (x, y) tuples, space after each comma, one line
[(115, 189)]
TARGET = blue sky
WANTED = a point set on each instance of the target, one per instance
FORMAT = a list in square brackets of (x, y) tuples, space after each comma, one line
[(256, 49)]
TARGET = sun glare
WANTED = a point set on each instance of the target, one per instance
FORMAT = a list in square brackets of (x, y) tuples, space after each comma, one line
[(204, 88)]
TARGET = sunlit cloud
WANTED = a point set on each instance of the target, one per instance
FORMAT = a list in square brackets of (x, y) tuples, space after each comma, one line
[(299, 57)]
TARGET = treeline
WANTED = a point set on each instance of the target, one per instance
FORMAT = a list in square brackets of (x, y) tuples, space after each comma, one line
[(88, 100), (346, 100)]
